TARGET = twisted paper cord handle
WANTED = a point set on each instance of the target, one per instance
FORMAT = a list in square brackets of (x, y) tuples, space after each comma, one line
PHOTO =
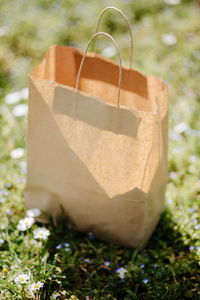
[(127, 22), (120, 64)]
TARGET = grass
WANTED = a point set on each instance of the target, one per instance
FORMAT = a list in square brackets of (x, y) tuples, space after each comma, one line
[(168, 268)]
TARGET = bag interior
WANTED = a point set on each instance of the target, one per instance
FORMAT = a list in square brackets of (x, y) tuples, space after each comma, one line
[(100, 77)]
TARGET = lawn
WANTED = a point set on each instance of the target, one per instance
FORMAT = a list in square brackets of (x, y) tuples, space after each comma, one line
[(65, 264)]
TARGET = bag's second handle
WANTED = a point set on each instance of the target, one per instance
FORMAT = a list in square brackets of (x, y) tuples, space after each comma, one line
[(127, 22), (120, 64)]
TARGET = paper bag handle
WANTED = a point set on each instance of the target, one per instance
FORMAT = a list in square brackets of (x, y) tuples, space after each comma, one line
[(127, 22), (83, 59)]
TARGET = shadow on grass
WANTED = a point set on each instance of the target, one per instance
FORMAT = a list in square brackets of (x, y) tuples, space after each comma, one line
[(167, 234), (164, 262)]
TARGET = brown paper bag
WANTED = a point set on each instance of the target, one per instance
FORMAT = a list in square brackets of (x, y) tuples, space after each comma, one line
[(106, 164)]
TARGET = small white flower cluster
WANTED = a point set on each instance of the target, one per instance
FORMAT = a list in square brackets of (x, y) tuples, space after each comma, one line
[(28, 221), (35, 212), (16, 96), (20, 110), (24, 278), (25, 223), (169, 39), (181, 128), (108, 52), (36, 286), (17, 153), (39, 233), (13, 98)]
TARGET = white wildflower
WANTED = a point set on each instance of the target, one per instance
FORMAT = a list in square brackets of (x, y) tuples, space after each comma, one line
[(21, 227), (1, 241), (22, 278), (108, 52), (169, 39), (182, 128), (25, 223), (172, 2), (122, 272), (41, 233), (17, 153), (13, 98), (36, 286), (20, 110), (34, 212)]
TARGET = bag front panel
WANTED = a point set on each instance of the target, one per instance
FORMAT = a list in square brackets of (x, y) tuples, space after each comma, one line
[(89, 157), (98, 162)]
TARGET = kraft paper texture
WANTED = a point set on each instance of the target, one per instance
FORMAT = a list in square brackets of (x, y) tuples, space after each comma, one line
[(107, 167)]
